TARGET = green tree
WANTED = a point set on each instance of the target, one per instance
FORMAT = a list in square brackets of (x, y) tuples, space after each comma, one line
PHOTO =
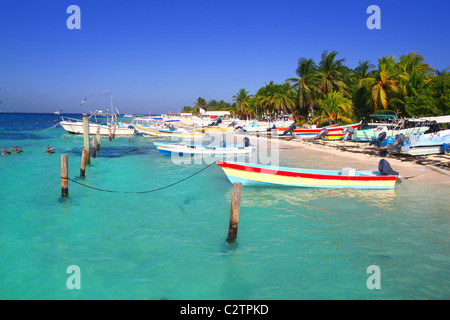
[(330, 74), (186, 109), (383, 83), (284, 98), (334, 106), (304, 86), (201, 103), (431, 98), (242, 99)]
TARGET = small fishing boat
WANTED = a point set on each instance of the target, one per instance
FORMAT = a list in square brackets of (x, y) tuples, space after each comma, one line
[(256, 174), (313, 132), (333, 136), (420, 144), (400, 126), (168, 149), (75, 126)]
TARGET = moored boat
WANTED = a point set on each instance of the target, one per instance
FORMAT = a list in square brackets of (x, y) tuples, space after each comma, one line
[(256, 174), (313, 132), (75, 126), (419, 144)]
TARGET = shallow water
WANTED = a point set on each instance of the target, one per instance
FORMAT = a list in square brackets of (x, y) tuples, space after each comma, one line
[(292, 243)]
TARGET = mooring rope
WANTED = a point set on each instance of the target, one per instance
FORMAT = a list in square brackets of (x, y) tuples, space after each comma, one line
[(46, 129), (148, 191), (431, 170)]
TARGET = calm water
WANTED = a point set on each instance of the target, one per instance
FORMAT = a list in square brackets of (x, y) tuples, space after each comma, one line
[(292, 243)]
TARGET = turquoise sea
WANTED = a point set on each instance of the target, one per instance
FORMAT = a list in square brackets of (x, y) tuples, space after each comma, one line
[(293, 243)]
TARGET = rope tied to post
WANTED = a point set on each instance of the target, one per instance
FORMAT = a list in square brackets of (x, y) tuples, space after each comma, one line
[(147, 191)]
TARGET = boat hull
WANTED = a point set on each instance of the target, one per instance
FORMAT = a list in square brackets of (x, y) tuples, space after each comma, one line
[(77, 128), (333, 136), (331, 129), (367, 134), (253, 175)]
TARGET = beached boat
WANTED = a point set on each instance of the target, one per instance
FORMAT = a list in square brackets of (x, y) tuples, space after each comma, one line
[(255, 174), (332, 136), (313, 132), (75, 126), (168, 149), (401, 126), (420, 144)]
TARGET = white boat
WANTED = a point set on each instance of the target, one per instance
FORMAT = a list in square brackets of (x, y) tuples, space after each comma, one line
[(168, 149), (391, 131), (57, 112), (75, 126), (421, 144)]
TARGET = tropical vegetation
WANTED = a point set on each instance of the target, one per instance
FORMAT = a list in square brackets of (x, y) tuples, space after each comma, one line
[(330, 92)]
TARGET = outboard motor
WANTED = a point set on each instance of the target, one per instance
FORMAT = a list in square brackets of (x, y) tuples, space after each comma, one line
[(290, 130), (386, 170), (246, 142), (378, 140), (348, 133), (232, 124), (400, 140), (272, 128), (321, 133)]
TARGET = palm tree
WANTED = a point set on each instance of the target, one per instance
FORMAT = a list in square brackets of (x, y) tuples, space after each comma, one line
[(330, 73), (382, 84), (283, 98), (242, 99), (201, 103), (304, 85), (264, 98), (365, 69), (333, 107)]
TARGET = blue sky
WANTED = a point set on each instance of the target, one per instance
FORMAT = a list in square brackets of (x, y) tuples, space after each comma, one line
[(163, 55)]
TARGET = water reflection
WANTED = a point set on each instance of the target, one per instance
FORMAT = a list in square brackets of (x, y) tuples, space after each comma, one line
[(303, 197)]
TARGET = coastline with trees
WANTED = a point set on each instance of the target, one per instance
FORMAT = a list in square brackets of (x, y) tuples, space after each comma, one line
[(328, 92)]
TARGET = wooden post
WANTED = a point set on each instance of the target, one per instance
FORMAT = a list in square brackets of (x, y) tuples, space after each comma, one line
[(114, 131), (98, 139), (64, 175), (234, 215), (86, 138), (94, 147), (109, 133), (83, 163)]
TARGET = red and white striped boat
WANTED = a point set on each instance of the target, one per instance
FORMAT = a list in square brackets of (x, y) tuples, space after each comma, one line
[(302, 132), (255, 174)]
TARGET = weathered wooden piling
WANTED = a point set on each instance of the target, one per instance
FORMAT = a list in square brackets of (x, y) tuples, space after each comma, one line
[(64, 175), (94, 147), (98, 139), (86, 138), (83, 163), (234, 215)]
